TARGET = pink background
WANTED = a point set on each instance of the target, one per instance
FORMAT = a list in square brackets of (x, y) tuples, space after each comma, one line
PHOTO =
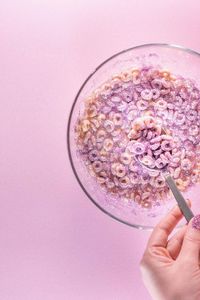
[(54, 243)]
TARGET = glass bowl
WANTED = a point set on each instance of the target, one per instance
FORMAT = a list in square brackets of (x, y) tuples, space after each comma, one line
[(177, 60)]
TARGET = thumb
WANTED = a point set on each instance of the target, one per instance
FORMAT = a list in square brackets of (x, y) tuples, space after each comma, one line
[(191, 242)]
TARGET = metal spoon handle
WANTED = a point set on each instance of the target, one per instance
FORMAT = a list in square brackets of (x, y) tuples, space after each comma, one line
[(188, 214)]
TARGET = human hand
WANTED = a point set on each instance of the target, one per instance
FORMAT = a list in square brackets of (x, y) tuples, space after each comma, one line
[(170, 267)]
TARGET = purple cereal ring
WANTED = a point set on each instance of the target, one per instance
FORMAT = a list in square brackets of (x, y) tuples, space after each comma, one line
[(194, 130), (122, 106), (157, 152), (148, 161), (109, 126), (149, 122), (125, 158), (194, 104), (154, 146), (117, 119), (93, 155), (132, 115), (177, 172), (178, 101), (127, 96), (149, 135), (146, 94), (110, 184), (159, 182), (97, 166), (150, 152), (106, 109), (156, 140), (142, 104), (186, 164), (138, 148), (164, 158), (108, 144), (153, 173), (116, 99), (164, 92), (159, 163), (155, 94), (162, 114), (133, 134), (179, 118), (166, 84), (124, 182), (191, 115), (116, 132), (170, 105), (166, 145), (133, 167), (144, 133), (134, 178), (156, 83), (161, 104)]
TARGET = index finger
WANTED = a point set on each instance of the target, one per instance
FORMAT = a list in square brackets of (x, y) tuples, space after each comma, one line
[(162, 231)]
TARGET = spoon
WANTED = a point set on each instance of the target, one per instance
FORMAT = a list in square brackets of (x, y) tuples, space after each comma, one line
[(185, 209)]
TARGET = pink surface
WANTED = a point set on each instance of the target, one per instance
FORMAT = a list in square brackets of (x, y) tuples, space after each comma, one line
[(54, 243)]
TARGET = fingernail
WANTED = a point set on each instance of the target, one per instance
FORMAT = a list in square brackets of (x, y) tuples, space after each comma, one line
[(196, 222)]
